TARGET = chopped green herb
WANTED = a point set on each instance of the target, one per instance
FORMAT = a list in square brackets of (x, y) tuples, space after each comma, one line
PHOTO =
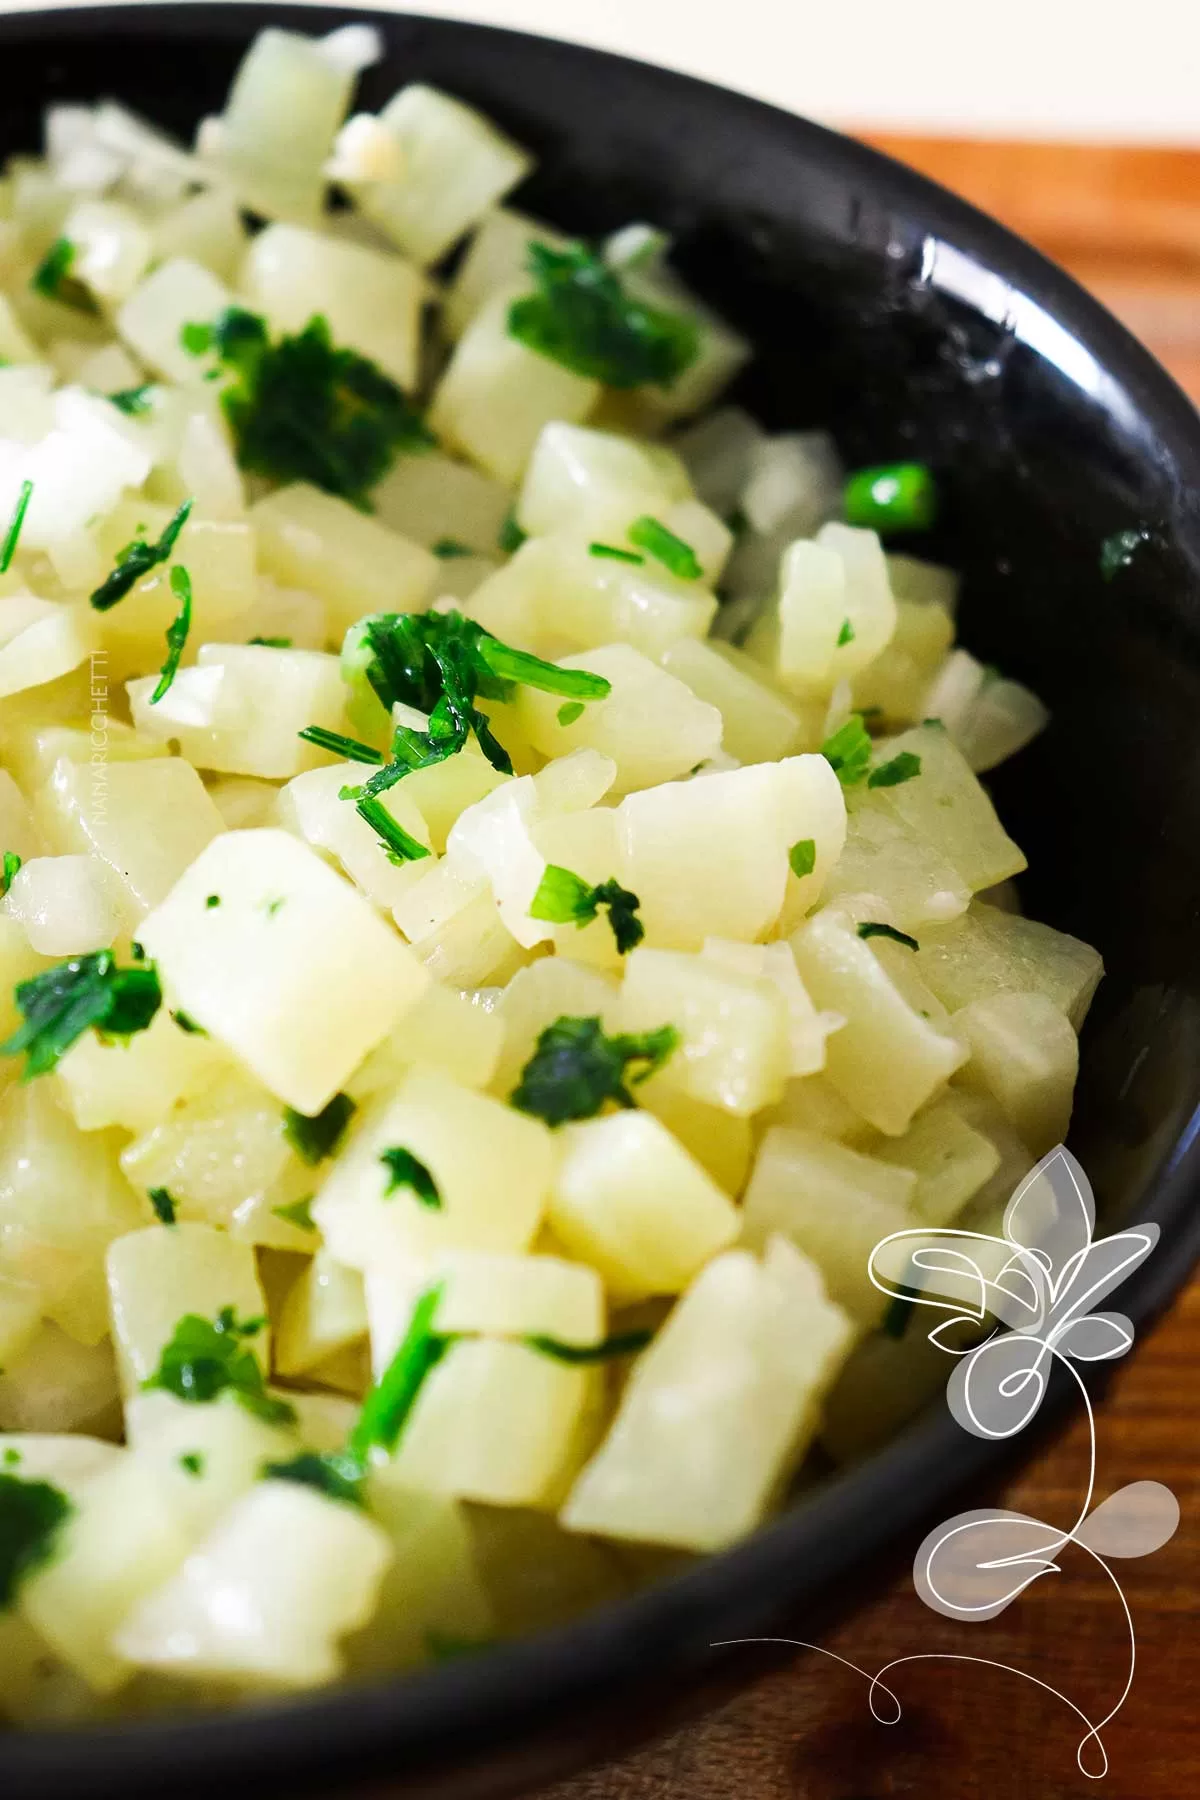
[(1118, 551), (569, 711), (518, 666), (652, 536), (351, 748), (848, 751), (53, 280), (297, 1213), (177, 632), (581, 316), (136, 951), (623, 1343), (902, 767), (846, 634), (407, 1171), (897, 497), (186, 1023), (137, 559), (330, 1472), (211, 900), (802, 857), (12, 537), (576, 1068), (611, 550), (386, 1409), (511, 537), (272, 907), (874, 928), (400, 846), (11, 1458), (32, 1513), (316, 1136), (192, 1462), (60, 1004), (276, 643), (448, 548), (134, 400), (304, 409), (563, 898), (9, 871), (206, 1358), (164, 1206)]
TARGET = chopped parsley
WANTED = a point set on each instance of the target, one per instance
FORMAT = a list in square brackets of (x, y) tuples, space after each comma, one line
[(875, 928), (448, 548), (137, 559), (404, 1170), (399, 845), (177, 631), (274, 643), (11, 1458), (569, 711), (12, 537), (192, 1462), (305, 409), (846, 635), (134, 400), (206, 1358), (9, 871), (622, 1343), (386, 1409), (297, 1213), (617, 555), (186, 1023), (60, 1004), (510, 537), (164, 1207), (901, 768), (652, 536), (353, 749), (581, 316), (315, 1136), (576, 1068), (802, 857), (32, 1513), (211, 900), (896, 497), (53, 280), (563, 898), (330, 1472), (848, 751), (272, 907)]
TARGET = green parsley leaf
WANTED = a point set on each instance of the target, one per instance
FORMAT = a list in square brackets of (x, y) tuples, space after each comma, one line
[(570, 711), (11, 1458), (582, 317), (276, 643), (211, 900), (802, 857), (52, 278), (192, 1462), (316, 1136), (186, 1023), (407, 1171), (902, 767), (177, 631), (511, 537), (848, 751), (164, 1206), (874, 928), (563, 898), (206, 1358), (846, 634), (297, 1213), (448, 548), (61, 1003), (896, 497), (12, 537), (623, 1343), (137, 559), (351, 748), (611, 550), (32, 1513), (134, 400), (386, 1409), (576, 1068), (304, 409), (330, 1472), (11, 868), (196, 338), (652, 536), (400, 846)]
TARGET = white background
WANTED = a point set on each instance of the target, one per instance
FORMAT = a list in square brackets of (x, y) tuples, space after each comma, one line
[(1100, 69)]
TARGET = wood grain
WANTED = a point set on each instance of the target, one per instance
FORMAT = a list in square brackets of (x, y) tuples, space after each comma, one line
[(1127, 223)]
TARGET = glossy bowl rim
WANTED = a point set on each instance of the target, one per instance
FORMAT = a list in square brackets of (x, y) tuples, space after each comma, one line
[(437, 1718)]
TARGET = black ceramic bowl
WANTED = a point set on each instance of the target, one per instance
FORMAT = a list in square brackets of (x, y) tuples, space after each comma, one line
[(912, 326)]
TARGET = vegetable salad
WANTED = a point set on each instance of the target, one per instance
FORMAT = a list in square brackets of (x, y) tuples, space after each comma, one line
[(500, 913)]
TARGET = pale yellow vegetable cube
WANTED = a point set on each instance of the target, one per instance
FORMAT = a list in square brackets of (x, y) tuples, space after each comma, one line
[(178, 292), (244, 802), (112, 248), (630, 1201), (57, 1384), (992, 951), (494, 1421), (718, 1410), (157, 1275), (311, 804), (469, 944), (323, 1312), (288, 98), (66, 1460), (596, 482), (834, 1203), (41, 640), (20, 1316), (218, 1152), (151, 820), (242, 708), (734, 1049), (371, 302), (492, 1168), (225, 1444), (495, 258), (122, 1538), (267, 1596), (952, 1161), (586, 844), (135, 1082), (819, 642), (758, 724), (205, 228), (17, 829), (18, 961), (887, 1060), (444, 1031), (218, 555), (814, 1104), (492, 841), (496, 395), (287, 945), (550, 989), (311, 540), (807, 1028), (895, 684), (490, 1294), (1024, 1052), (883, 856), (946, 806), (444, 790), (456, 164), (721, 1142), (68, 905), (431, 497), (432, 1592)]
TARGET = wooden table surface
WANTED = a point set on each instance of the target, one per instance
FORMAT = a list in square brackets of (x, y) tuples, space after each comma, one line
[(1128, 224)]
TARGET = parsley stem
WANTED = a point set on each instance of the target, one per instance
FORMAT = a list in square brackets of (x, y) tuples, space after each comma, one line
[(12, 536), (387, 1407), (351, 748)]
